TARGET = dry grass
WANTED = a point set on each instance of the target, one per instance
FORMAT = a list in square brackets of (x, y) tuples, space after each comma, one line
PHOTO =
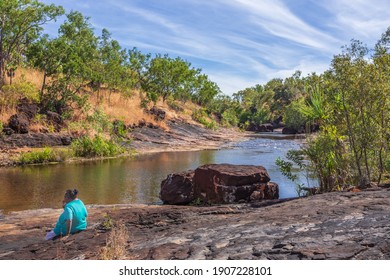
[(114, 105), (30, 75), (5, 115), (128, 110), (116, 244)]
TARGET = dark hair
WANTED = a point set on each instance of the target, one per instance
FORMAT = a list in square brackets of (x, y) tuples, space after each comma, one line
[(71, 194)]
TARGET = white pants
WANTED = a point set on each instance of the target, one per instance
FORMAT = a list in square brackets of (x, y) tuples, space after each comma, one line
[(50, 235)]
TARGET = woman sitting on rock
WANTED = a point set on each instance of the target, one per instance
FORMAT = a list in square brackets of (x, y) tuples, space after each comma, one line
[(74, 217)]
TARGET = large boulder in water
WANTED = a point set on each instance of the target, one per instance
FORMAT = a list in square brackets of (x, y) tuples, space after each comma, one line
[(227, 183), (178, 188), (219, 183), (230, 175)]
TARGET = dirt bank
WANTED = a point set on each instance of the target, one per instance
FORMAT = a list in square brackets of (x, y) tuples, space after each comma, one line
[(327, 226)]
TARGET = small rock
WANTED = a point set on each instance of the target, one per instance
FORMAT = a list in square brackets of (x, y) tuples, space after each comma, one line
[(178, 188)]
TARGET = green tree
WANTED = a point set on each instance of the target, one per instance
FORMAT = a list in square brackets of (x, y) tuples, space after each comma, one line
[(47, 55), (115, 73), (21, 22)]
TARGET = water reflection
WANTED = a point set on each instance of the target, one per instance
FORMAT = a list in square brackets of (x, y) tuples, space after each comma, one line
[(129, 180)]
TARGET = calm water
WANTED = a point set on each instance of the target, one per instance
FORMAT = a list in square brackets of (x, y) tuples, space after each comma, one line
[(134, 180)]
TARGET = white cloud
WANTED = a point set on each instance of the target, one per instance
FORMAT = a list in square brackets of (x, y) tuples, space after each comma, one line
[(360, 19), (274, 17), (240, 43)]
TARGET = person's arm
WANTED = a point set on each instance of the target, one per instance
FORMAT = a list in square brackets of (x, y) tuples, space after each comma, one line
[(68, 226)]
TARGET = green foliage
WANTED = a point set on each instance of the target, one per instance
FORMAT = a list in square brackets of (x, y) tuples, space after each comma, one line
[(295, 159), (229, 117), (107, 223), (315, 108), (163, 76), (96, 147), (119, 129), (100, 122), (61, 97), (329, 160), (12, 93), (1, 128), (45, 155), (202, 117), (387, 165), (21, 23), (293, 116)]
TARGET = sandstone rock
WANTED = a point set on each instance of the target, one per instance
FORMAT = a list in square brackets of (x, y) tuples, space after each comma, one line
[(34, 140), (8, 131), (227, 183), (19, 123), (288, 130), (178, 188), (66, 140), (141, 123), (267, 127), (56, 120), (269, 190), (159, 114), (219, 183), (230, 175), (27, 108), (277, 123)]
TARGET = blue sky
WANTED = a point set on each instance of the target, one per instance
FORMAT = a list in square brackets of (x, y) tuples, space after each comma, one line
[(239, 43)]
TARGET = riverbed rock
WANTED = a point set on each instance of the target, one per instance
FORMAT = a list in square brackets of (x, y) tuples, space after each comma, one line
[(219, 184), (230, 175), (35, 140), (19, 123), (28, 108), (333, 226), (289, 130), (255, 127), (56, 120), (178, 188), (263, 191)]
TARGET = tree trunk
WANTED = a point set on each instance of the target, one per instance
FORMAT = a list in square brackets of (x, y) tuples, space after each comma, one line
[(351, 135)]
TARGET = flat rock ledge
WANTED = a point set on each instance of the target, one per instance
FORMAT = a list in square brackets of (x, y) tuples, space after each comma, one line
[(343, 225)]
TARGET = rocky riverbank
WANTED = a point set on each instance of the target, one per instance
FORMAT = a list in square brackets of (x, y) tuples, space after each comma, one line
[(178, 136), (343, 225)]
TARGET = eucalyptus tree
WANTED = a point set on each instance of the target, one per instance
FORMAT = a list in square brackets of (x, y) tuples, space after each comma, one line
[(114, 70), (21, 23), (74, 56)]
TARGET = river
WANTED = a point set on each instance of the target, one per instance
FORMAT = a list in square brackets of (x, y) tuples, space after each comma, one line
[(132, 180)]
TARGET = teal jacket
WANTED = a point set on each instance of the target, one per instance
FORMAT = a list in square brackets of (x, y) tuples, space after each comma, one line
[(75, 211)]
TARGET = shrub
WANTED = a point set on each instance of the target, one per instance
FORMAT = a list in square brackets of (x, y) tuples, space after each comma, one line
[(387, 165), (229, 117), (116, 243), (293, 117), (12, 93), (45, 155), (100, 121), (174, 105), (95, 147), (119, 129), (202, 117)]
